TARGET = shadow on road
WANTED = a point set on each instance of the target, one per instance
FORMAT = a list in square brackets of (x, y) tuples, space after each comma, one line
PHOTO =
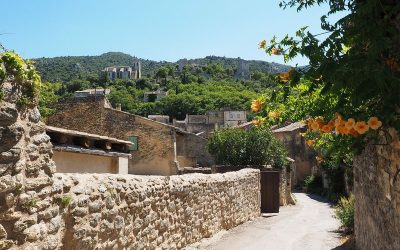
[(318, 198)]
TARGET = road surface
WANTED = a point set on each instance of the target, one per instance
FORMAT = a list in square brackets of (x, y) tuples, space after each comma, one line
[(307, 225)]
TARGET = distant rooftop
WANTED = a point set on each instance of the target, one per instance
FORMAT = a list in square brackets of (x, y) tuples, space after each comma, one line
[(92, 92), (291, 127)]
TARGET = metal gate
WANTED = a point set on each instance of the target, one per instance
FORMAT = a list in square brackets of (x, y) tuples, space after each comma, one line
[(269, 191)]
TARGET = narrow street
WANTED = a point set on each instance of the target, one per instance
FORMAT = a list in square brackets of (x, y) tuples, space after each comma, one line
[(308, 225)]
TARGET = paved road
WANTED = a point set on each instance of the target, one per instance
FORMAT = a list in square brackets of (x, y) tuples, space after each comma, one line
[(308, 225)]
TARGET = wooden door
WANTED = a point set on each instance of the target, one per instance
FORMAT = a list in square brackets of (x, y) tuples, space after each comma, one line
[(269, 191)]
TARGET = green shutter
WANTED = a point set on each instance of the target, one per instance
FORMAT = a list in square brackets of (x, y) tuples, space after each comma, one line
[(135, 145)]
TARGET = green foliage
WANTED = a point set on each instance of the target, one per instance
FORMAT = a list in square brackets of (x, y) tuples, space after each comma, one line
[(356, 60), (66, 200), (199, 98), (23, 74), (313, 184), (30, 203), (237, 147), (67, 68), (47, 97), (344, 211)]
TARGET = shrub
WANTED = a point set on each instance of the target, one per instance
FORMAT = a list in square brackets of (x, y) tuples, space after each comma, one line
[(313, 184), (66, 200), (237, 147), (344, 211)]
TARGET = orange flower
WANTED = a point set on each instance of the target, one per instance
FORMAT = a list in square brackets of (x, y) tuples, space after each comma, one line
[(275, 51), (344, 130), (326, 128), (350, 123), (258, 122), (374, 123), (338, 120), (354, 133), (256, 105), (273, 114), (361, 127), (331, 125), (262, 44), (284, 76), (310, 143), (339, 128), (314, 125)]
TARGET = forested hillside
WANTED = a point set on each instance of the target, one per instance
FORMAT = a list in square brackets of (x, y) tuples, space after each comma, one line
[(68, 68), (192, 86)]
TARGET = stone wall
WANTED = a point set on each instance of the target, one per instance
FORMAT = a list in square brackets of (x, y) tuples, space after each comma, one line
[(26, 171), (134, 212), (377, 193), (285, 186)]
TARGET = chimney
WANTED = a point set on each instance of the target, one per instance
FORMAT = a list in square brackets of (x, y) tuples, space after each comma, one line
[(118, 107)]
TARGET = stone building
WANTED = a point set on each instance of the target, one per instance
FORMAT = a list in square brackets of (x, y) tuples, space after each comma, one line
[(159, 148), (79, 152), (203, 125), (154, 96), (243, 70), (159, 118), (123, 72), (298, 150), (91, 92)]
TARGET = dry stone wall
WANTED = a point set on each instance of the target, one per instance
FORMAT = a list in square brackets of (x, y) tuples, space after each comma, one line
[(135, 212), (26, 170), (377, 193)]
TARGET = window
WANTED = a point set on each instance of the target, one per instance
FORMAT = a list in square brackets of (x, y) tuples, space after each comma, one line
[(135, 143)]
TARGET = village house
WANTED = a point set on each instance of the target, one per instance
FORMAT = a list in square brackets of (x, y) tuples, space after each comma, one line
[(298, 150), (79, 152), (158, 148), (203, 125), (159, 118), (154, 96), (92, 92)]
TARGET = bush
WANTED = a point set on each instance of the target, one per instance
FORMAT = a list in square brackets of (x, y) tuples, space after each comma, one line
[(344, 211), (313, 184), (237, 147)]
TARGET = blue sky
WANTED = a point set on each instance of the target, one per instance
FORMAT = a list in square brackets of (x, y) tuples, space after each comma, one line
[(151, 29)]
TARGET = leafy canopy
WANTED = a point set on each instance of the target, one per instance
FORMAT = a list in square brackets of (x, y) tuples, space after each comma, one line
[(356, 59), (238, 147)]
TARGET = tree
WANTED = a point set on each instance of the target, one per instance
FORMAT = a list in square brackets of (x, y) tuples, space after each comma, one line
[(48, 97), (238, 147), (162, 73), (356, 58)]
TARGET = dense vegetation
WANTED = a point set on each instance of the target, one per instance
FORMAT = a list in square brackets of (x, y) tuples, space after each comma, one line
[(201, 85), (238, 147), (351, 90), (68, 68)]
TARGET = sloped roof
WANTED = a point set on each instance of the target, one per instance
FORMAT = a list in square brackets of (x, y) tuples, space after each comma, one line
[(86, 135), (291, 127)]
